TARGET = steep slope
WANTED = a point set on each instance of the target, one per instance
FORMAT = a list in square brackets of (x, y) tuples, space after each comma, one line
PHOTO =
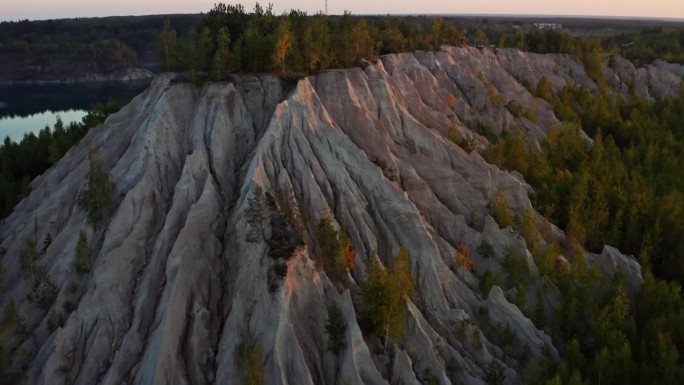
[(176, 286)]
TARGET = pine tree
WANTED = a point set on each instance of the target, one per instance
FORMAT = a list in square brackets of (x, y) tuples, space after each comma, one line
[(45, 291), (336, 329), (83, 254), (257, 215), (98, 199)]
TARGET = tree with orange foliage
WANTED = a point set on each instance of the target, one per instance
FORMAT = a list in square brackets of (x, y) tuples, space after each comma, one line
[(334, 249), (284, 43), (462, 259)]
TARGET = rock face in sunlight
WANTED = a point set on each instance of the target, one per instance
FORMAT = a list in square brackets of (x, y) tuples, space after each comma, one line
[(176, 286)]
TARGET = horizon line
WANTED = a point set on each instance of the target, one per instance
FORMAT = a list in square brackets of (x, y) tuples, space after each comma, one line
[(466, 15)]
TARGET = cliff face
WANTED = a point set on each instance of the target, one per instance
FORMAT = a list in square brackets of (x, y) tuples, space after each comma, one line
[(175, 286)]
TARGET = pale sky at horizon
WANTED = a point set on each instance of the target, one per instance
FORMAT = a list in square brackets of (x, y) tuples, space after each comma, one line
[(14, 10)]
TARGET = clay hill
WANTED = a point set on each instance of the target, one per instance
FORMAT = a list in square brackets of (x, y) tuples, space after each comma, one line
[(185, 286)]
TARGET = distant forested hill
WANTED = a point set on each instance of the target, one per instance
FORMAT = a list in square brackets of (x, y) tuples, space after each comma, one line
[(52, 49)]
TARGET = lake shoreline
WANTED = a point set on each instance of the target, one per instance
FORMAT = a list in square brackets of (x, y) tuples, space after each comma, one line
[(127, 76), (30, 107)]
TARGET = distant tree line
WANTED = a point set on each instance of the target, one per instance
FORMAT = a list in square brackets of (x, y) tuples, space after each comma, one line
[(75, 36), (647, 46), (233, 40)]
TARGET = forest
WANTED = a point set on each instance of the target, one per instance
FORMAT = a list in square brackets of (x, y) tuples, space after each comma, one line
[(75, 36), (623, 190), (22, 162), (294, 43)]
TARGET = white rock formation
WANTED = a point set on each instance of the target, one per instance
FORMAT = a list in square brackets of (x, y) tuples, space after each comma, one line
[(175, 286)]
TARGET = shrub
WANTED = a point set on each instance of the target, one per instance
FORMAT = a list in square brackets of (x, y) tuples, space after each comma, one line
[(521, 297), (451, 101), (515, 108), (516, 268), (488, 280), (500, 211), (13, 319), (44, 293), (485, 250), (544, 88), (462, 259), (55, 320), (69, 306), (484, 129), (467, 143), (545, 258), (249, 359), (505, 337), (334, 249), (46, 243), (528, 230), (472, 216), (495, 373), (461, 331), (83, 262), (29, 259), (479, 343)]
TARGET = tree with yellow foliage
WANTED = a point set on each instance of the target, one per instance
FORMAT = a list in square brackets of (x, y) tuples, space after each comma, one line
[(284, 43), (384, 295), (462, 259)]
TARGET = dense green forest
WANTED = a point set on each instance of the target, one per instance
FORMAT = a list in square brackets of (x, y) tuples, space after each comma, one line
[(624, 189), (22, 162), (233, 40), (647, 46), (111, 38)]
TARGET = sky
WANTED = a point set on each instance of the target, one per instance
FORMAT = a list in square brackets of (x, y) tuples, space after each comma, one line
[(14, 10)]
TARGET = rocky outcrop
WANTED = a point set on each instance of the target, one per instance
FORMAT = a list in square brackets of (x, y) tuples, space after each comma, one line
[(612, 261), (175, 286)]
